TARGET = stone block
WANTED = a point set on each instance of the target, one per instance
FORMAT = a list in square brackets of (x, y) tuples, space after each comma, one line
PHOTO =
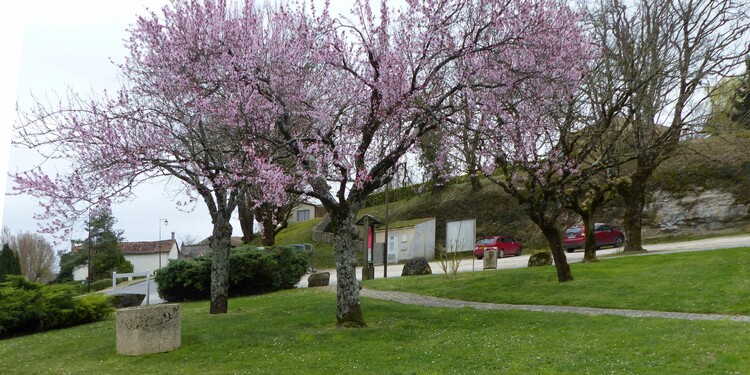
[(148, 329), (319, 279)]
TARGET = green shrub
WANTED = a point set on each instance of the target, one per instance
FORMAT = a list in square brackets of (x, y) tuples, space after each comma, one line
[(185, 279), (29, 307), (251, 271), (101, 284)]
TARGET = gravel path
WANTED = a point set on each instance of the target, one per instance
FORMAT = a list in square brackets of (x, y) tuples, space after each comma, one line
[(421, 300)]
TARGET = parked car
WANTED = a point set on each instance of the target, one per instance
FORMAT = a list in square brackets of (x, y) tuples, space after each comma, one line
[(606, 235), (505, 245)]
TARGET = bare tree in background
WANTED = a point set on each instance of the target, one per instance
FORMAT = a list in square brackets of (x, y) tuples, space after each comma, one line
[(666, 52), (189, 239), (35, 254)]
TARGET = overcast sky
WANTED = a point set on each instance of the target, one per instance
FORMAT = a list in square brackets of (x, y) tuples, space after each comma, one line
[(59, 44), (49, 46)]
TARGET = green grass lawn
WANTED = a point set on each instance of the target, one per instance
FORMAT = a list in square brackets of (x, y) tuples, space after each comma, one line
[(701, 282), (293, 332)]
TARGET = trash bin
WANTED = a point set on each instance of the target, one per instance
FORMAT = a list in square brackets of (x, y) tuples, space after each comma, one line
[(490, 259)]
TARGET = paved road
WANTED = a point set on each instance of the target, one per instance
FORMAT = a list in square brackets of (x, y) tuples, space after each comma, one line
[(142, 288), (473, 265)]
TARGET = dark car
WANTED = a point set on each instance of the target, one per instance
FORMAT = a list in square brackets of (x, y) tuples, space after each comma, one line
[(505, 245), (606, 235)]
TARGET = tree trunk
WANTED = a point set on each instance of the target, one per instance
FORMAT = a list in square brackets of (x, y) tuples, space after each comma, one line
[(476, 185), (268, 235), (438, 184), (558, 254), (589, 252), (265, 215), (247, 218), (349, 312), (220, 243), (634, 195)]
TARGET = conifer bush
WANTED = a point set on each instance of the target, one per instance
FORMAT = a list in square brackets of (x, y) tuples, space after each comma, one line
[(29, 307)]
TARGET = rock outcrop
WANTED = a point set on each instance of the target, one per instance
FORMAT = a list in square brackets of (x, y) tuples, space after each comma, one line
[(696, 213)]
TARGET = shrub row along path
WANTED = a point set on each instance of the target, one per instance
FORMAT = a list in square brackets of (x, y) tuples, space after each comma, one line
[(428, 301)]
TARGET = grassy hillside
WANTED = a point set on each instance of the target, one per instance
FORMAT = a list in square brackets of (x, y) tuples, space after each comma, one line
[(712, 163), (301, 232), (495, 212)]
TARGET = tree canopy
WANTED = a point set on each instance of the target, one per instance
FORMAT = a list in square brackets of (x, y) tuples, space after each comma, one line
[(293, 99)]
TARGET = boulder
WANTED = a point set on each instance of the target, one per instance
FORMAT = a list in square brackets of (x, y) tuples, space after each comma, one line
[(318, 279), (416, 266), (123, 300), (540, 259)]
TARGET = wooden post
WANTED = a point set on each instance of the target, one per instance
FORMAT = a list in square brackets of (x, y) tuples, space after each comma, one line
[(365, 262)]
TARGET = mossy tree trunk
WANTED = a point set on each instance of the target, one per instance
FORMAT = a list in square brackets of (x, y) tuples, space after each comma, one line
[(589, 252), (221, 205), (554, 239), (634, 195), (586, 206), (349, 312)]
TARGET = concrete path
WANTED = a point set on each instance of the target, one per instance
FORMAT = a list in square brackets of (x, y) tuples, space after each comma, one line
[(421, 300)]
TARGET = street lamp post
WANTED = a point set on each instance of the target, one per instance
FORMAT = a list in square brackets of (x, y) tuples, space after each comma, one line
[(158, 244), (385, 245), (88, 279)]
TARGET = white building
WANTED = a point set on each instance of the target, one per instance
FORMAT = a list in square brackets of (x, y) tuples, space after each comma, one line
[(144, 255), (149, 255), (305, 211)]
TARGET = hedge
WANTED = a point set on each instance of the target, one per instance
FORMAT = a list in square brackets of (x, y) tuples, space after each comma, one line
[(28, 307), (251, 271)]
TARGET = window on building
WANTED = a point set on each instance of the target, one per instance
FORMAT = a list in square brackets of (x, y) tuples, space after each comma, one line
[(303, 215)]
